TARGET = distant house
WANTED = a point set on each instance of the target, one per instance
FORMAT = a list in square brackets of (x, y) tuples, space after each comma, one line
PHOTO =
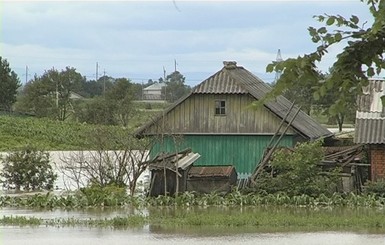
[(73, 96), (153, 92), (216, 120), (370, 126), (76, 96)]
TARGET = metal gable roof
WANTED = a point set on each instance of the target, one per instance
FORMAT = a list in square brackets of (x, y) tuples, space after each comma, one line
[(219, 83), (232, 79), (280, 106)]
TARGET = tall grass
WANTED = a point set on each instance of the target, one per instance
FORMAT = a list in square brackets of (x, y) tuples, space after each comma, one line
[(222, 217)]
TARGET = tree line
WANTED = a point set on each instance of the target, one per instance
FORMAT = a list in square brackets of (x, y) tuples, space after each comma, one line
[(67, 94)]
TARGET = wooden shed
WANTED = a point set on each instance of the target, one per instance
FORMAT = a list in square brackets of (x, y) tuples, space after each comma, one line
[(169, 172), (207, 179), (217, 121)]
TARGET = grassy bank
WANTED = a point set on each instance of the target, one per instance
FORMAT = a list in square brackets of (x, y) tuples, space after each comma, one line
[(16, 132)]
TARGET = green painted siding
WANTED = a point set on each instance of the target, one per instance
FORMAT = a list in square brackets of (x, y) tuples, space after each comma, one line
[(242, 151)]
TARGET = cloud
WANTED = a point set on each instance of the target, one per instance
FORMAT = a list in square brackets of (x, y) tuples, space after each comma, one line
[(136, 39)]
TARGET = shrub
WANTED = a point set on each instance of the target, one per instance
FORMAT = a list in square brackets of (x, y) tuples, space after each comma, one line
[(297, 172), (27, 169), (375, 187), (110, 195)]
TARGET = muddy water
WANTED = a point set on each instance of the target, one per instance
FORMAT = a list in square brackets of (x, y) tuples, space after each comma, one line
[(84, 236), (150, 234)]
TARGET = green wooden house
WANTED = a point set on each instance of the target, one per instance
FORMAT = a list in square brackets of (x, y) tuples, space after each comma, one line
[(217, 121)]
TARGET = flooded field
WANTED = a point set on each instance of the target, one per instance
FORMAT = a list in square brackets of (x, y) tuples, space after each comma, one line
[(194, 235), (84, 236), (155, 234)]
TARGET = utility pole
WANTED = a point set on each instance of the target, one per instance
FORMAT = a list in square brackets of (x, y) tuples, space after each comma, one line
[(104, 82), (26, 74), (175, 65), (97, 69), (165, 85)]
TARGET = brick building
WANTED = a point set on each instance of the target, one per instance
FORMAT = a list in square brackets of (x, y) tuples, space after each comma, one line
[(370, 126)]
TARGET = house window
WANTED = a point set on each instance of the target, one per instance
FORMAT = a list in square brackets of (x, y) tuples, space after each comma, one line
[(220, 107)]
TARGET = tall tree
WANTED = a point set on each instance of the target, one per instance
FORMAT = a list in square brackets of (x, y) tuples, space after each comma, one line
[(114, 107), (9, 83), (122, 95), (361, 58), (50, 94), (175, 87)]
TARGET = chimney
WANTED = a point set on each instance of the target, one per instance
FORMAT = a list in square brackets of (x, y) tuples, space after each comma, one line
[(230, 64)]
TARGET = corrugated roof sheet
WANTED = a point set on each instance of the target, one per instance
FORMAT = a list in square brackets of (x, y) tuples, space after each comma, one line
[(233, 79), (369, 131), (219, 83), (211, 171), (370, 116), (182, 159)]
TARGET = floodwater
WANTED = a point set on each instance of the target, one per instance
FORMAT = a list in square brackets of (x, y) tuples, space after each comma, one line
[(149, 234), (94, 236), (48, 235)]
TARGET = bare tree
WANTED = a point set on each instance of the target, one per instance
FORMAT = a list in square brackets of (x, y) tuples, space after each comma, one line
[(119, 160)]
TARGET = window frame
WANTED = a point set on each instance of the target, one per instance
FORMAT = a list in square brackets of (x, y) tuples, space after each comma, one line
[(220, 109)]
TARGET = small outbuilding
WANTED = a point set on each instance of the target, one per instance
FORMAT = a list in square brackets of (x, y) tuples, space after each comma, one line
[(169, 172), (207, 179)]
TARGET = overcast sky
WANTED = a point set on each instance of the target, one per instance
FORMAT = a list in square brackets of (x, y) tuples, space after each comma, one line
[(136, 39)]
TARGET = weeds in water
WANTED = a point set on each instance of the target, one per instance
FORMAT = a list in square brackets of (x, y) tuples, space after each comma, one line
[(283, 217), (189, 199)]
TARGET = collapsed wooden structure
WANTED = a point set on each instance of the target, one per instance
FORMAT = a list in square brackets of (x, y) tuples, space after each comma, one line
[(173, 173), (349, 159)]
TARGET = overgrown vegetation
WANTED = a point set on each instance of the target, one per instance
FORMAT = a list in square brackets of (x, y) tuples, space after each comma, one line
[(27, 169), (296, 172), (113, 196), (375, 187), (16, 132), (309, 218)]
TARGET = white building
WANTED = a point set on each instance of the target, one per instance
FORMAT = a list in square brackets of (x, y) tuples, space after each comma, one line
[(153, 92)]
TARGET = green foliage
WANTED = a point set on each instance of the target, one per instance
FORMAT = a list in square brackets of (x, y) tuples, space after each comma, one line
[(96, 111), (296, 172), (110, 195), (50, 94), (361, 58), (9, 83), (28, 169), (113, 196), (175, 87), (375, 187), (115, 107), (16, 132)]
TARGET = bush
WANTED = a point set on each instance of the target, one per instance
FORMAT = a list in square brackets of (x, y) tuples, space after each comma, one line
[(297, 172), (27, 169), (110, 195), (375, 187)]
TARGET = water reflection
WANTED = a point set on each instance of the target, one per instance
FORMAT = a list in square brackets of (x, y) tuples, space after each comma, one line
[(196, 235), (83, 236)]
